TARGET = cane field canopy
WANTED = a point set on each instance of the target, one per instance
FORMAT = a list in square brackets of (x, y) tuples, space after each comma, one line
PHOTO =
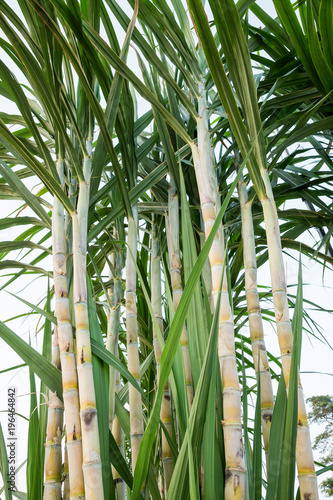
[(166, 181)]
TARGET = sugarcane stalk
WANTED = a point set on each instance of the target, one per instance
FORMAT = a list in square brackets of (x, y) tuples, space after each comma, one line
[(235, 476), (165, 413), (66, 348), (115, 292), (207, 278), (113, 317), (176, 281), (255, 318), (91, 459), (160, 483), (304, 456), (55, 349), (136, 419), (118, 435), (206, 272), (66, 492), (53, 457)]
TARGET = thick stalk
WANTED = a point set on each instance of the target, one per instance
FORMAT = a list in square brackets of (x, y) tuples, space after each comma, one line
[(165, 414), (53, 458), (115, 292), (235, 477), (176, 282), (304, 456), (92, 467), (66, 348), (136, 419), (255, 318)]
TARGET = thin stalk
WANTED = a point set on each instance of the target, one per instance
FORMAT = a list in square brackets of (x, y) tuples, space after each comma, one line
[(176, 282), (136, 419), (160, 483), (304, 456), (118, 435), (235, 477), (113, 318), (66, 493), (55, 349), (255, 318), (202, 478), (207, 279), (66, 348), (92, 467), (206, 271), (53, 459), (115, 292), (165, 414)]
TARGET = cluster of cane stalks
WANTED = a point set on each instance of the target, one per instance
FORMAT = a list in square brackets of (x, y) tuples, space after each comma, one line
[(157, 222)]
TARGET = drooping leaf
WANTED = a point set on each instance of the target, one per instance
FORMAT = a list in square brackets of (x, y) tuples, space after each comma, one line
[(50, 375)]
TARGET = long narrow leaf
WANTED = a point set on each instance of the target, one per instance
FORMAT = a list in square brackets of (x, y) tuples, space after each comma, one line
[(50, 375)]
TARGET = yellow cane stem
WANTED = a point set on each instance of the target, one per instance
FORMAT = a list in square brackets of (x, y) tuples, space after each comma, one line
[(53, 459), (255, 318), (235, 476), (165, 414), (91, 459), (304, 456), (176, 283), (136, 419), (66, 349)]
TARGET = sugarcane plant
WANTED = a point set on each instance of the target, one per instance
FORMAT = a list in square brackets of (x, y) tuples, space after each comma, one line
[(157, 222)]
